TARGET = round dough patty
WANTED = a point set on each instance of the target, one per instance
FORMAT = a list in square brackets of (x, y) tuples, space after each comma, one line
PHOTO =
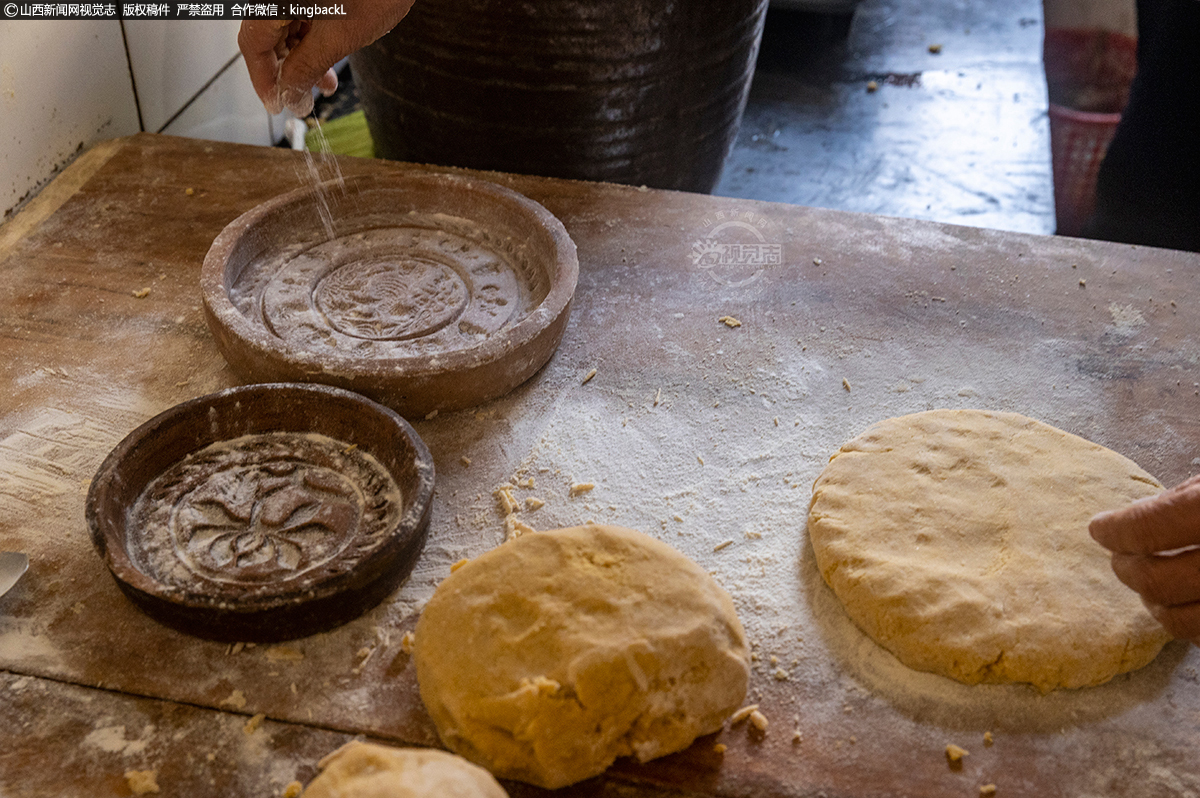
[(547, 658), (367, 770), (958, 540)]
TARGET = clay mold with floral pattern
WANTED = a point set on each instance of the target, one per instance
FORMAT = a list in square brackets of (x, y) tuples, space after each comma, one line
[(266, 512), (425, 291)]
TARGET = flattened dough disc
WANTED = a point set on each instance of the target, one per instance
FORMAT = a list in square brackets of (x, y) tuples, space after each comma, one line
[(958, 540)]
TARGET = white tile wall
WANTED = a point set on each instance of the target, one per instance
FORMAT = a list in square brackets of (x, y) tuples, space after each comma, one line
[(63, 85), (228, 110), (66, 84), (173, 59)]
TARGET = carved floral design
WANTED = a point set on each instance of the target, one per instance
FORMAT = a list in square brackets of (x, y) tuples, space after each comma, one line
[(261, 521), (390, 300)]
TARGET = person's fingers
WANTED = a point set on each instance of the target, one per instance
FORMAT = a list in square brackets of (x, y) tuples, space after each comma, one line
[(1168, 521), (1181, 621), (328, 83), (312, 58), (287, 58), (298, 101), (259, 41), (1169, 580)]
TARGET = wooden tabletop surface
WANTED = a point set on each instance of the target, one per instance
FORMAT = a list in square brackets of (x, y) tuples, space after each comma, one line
[(705, 435)]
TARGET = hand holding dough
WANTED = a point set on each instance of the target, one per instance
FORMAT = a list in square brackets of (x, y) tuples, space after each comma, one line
[(957, 540), (1138, 534)]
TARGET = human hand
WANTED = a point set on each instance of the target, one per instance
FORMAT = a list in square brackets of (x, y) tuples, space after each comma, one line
[(1139, 534), (286, 58)]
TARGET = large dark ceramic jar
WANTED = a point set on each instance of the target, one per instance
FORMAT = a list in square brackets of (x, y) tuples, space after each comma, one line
[(639, 92)]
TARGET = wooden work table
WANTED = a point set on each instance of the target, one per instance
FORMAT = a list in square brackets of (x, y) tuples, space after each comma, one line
[(692, 430)]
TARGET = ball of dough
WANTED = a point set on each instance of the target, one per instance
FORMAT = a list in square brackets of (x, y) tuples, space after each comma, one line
[(958, 540), (547, 658), (366, 770)]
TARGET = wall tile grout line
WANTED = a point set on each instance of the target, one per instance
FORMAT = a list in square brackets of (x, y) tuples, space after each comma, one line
[(201, 90), (137, 103)]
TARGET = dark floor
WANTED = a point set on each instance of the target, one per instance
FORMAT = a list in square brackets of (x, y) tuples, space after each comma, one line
[(959, 136)]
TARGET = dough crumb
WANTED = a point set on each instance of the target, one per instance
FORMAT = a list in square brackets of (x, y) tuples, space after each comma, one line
[(797, 738), (988, 739), (534, 503), (935, 48), (987, 791), (846, 384), (284, 654), (729, 321), (142, 781), (781, 675), (466, 461), (720, 748), (142, 293), (658, 396), (742, 714), (504, 497), (723, 545), (252, 725), (431, 415), (580, 488), (409, 639), (759, 721), (459, 564), (293, 790), (588, 377), (872, 86), (191, 192), (514, 529), (236, 699), (955, 754)]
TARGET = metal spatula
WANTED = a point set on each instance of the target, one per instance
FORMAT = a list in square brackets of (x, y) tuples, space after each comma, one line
[(12, 565)]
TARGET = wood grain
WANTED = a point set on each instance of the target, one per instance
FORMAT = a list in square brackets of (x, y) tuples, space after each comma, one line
[(691, 430)]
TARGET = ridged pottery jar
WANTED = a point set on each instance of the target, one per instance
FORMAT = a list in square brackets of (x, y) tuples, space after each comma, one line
[(639, 92)]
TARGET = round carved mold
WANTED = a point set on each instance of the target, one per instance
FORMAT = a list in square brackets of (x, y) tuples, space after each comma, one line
[(422, 290), (265, 512)]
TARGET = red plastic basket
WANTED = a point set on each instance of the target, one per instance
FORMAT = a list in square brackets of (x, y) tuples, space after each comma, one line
[(1078, 141), (1088, 73)]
